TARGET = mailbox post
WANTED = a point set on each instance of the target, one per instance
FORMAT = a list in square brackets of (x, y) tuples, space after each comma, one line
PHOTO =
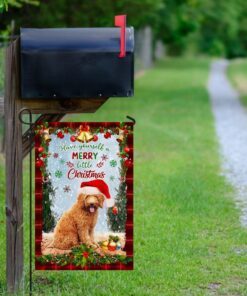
[(53, 72)]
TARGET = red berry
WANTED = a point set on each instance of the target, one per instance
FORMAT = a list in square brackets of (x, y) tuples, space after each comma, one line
[(60, 135), (40, 149), (85, 254), (115, 210), (107, 135), (95, 138), (126, 131), (72, 138), (44, 155), (127, 149), (128, 163), (39, 163)]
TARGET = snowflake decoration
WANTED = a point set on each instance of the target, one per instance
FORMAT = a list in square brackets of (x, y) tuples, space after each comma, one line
[(62, 161), (70, 164), (112, 178), (113, 163), (58, 174), (66, 189), (55, 155), (104, 157)]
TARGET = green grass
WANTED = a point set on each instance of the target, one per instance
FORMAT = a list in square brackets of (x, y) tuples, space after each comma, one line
[(2, 54), (238, 74), (188, 239)]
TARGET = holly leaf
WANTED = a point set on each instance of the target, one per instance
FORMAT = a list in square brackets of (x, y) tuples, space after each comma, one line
[(83, 262)]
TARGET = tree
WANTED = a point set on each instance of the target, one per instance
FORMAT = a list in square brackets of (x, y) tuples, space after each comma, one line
[(49, 221), (83, 13), (177, 20), (48, 190), (4, 4), (117, 221), (213, 27), (219, 27)]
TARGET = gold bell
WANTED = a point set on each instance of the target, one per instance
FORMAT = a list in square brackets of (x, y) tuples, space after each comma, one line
[(84, 136), (46, 135), (120, 136)]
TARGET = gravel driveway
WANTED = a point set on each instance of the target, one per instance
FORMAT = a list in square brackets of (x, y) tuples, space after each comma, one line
[(231, 127)]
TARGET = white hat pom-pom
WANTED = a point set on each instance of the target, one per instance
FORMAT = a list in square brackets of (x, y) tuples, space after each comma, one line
[(109, 202)]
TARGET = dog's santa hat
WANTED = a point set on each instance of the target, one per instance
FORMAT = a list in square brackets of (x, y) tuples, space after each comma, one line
[(97, 187)]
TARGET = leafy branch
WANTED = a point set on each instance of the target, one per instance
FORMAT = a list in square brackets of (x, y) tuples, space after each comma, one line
[(4, 4), (82, 256)]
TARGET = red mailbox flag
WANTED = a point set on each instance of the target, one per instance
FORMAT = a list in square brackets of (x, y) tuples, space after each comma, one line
[(120, 21)]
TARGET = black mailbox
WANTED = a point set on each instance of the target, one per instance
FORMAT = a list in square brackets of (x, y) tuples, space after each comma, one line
[(76, 63)]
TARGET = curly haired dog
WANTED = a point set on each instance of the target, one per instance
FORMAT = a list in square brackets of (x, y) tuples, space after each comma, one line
[(77, 224)]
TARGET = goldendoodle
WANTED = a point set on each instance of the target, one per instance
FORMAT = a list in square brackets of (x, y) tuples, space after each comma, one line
[(76, 226)]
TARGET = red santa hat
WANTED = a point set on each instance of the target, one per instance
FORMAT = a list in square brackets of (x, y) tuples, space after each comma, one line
[(97, 187)]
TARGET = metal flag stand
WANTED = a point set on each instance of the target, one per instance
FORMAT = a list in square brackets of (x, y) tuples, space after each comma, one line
[(132, 119), (31, 131)]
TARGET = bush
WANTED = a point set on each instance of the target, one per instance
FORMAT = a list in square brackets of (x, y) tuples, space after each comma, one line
[(217, 48)]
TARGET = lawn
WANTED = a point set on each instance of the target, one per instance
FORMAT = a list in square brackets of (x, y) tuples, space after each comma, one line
[(188, 239), (238, 74)]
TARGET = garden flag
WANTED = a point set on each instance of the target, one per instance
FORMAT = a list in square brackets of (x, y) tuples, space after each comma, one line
[(84, 195)]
